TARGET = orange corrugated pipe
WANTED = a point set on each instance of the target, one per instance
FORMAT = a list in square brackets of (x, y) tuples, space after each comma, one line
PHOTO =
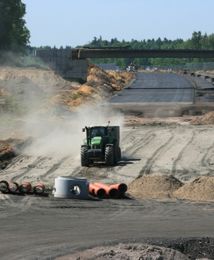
[(110, 191), (97, 190)]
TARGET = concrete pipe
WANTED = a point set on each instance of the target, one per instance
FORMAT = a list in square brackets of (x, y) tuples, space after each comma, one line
[(4, 187), (97, 191), (71, 188), (111, 192)]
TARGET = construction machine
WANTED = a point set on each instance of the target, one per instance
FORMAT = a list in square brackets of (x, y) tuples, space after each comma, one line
[(102, 144)]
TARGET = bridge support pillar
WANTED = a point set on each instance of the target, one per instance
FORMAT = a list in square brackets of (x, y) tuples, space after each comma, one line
[(60, 61)]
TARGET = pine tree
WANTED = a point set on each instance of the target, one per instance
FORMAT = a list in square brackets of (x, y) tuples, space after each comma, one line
[(14, 34)]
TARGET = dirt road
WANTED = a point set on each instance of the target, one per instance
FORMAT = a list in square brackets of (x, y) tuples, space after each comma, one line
[(184, 151), (161, 94), (39, 227)]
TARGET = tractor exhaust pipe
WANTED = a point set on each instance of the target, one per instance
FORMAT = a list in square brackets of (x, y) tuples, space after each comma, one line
[(97, 191)]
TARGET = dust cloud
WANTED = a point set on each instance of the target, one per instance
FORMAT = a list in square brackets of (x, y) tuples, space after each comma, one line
[(54, 130), (62, 136)]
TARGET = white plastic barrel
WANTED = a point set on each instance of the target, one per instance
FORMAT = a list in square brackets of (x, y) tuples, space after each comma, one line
[(71, 188)]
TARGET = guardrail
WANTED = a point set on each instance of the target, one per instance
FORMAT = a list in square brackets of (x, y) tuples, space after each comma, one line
[(207, 76)]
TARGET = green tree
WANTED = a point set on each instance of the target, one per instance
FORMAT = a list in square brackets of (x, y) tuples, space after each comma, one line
[(14, 34)]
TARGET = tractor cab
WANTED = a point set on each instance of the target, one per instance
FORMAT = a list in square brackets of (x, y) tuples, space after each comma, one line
[(100, 141)]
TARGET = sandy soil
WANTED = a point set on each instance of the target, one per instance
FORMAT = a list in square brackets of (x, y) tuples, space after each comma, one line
[(201, 189), (126, 252), (182, 151), (154, 187), (22, 87)]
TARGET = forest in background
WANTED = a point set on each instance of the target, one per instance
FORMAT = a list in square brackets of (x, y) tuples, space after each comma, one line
[(14, 40), (198, 41)]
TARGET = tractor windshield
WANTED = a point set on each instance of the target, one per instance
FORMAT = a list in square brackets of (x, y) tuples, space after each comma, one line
[(98, 131)]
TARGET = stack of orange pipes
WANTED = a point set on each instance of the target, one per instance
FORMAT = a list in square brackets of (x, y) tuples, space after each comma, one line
[(102, 190)]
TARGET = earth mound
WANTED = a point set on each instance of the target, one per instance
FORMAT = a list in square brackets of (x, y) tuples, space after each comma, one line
[(6, 153), (207, 119), (129, 251), (154, 187), (9, 149), (201, 189), (24, 88)]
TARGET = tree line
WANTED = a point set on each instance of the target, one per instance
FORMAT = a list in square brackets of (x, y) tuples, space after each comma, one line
[(198, 41), (14, 36)]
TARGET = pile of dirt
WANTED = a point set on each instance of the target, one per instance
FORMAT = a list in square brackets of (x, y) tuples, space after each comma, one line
[(127, 251), (76, 97), (160, 187), (100, 85), (10, 148), (201, 189), (46, 88), (45, 79), (30, 89), (207, 119), (114, 80), (7, 152), (154, 187)]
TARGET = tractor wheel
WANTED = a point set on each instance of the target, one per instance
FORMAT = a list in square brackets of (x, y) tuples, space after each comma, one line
[(84, 156), (109, 155)]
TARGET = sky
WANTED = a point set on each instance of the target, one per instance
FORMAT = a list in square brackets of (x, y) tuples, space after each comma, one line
[(77, 22)]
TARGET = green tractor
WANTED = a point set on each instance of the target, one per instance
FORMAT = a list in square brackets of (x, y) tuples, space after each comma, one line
[(101, 145)]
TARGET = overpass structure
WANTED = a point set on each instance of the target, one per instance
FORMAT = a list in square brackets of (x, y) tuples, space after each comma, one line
[(73, 64), (84, 53)]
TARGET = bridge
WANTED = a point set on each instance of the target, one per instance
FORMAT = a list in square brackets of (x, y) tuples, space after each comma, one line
[(84, 53), (73, 64)]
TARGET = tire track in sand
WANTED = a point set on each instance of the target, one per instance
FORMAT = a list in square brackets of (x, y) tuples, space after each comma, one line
[(145, 141), (150, 162), (174, 166), (204, 160), (148, 137), (29, 167), (53, 168)]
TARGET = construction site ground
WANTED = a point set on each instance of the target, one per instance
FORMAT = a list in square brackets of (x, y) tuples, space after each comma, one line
[(175, 212)]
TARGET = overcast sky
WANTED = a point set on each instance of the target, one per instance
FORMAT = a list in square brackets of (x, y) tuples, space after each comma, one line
[(76, 22)]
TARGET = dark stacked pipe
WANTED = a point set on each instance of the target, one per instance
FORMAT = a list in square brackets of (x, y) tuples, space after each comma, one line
[(24, 188)]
